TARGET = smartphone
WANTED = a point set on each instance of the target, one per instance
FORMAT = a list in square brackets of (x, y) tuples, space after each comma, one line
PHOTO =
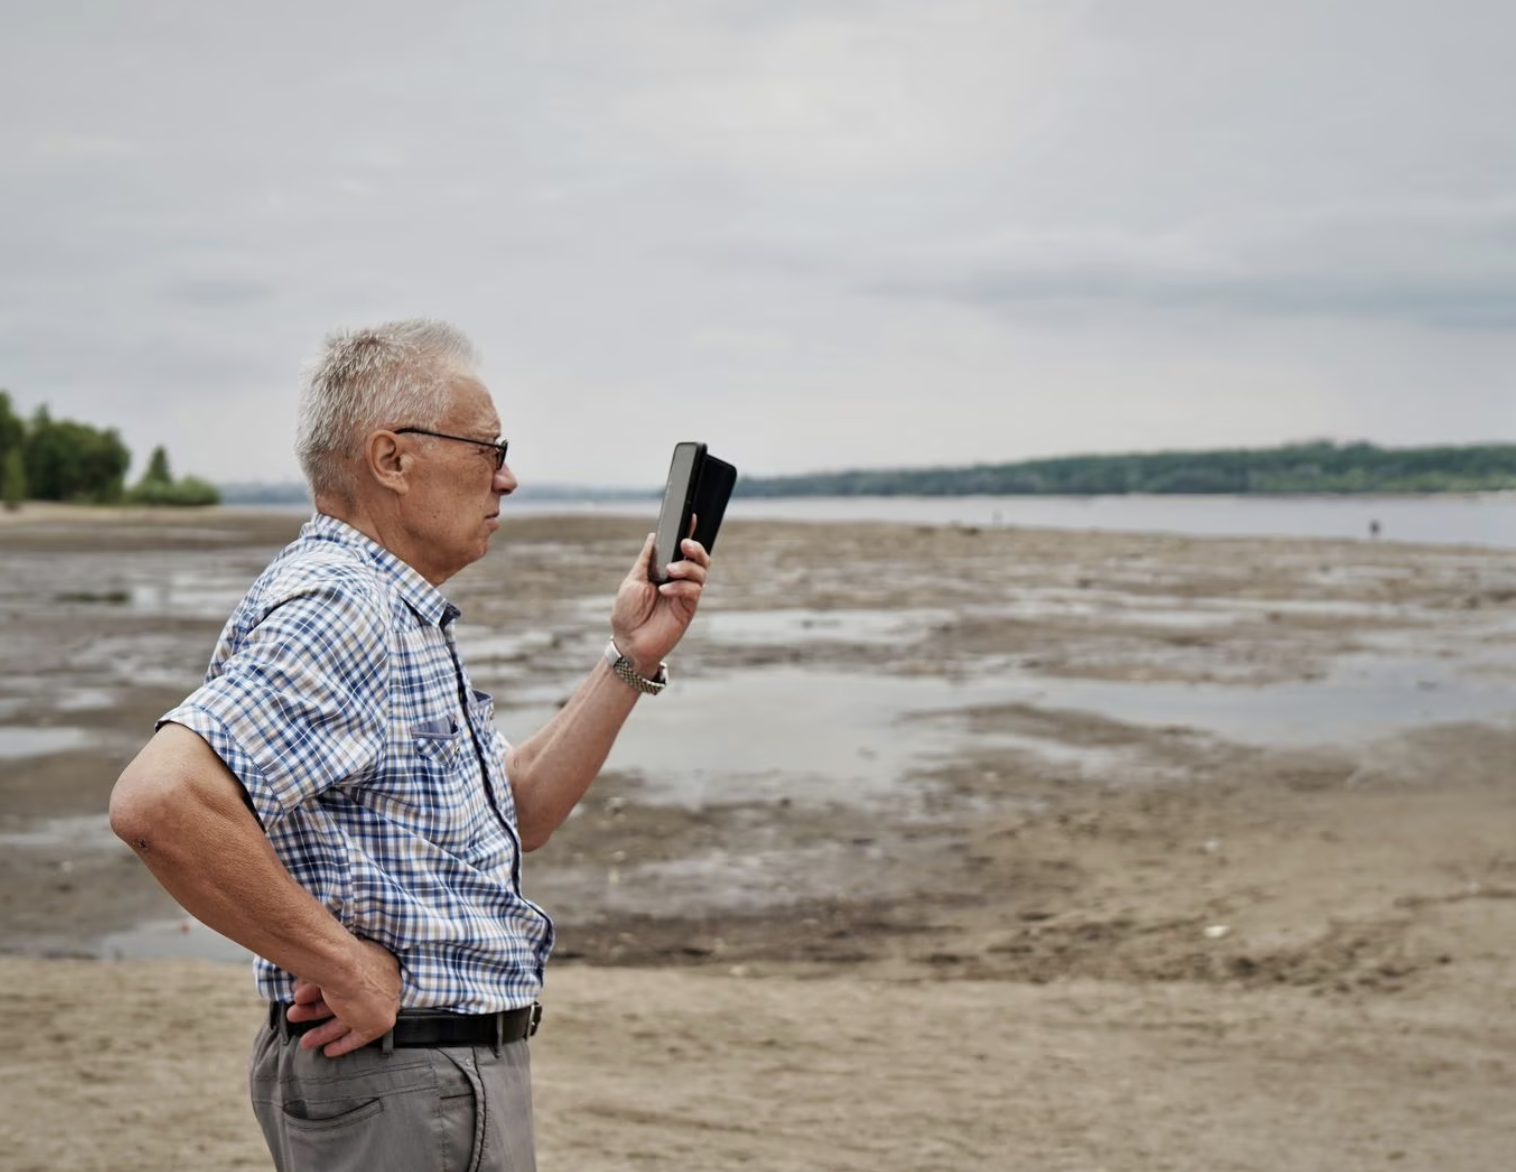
[(674, 517), (713, 488)]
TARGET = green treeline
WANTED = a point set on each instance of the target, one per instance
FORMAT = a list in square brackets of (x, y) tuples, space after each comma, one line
[(1322, 467), (47, 459)]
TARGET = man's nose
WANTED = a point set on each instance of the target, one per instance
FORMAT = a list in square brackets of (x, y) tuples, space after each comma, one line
[(505, 480)]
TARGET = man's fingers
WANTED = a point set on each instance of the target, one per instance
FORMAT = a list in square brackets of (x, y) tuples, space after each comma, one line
[(689, 572), (309, 1004), (645, 558), (680, 588), (695, 552), (335, 1039), (346, 1045), (335, 1030), (310, 1011)]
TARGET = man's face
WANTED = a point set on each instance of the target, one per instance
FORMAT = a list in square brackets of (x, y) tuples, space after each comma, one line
[(453, 508)]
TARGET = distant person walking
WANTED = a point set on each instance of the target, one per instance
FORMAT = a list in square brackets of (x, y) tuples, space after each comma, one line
[(336, 798), (1373, 530)]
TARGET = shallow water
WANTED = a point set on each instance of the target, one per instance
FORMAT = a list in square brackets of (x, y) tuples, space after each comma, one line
[(189, 594), (805, 734), (799, 626), (781, 733), (1362, 698), (34, 742), (182, 939), (87, 832)]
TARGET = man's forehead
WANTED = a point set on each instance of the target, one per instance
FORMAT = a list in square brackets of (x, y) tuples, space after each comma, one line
[(472, 406)]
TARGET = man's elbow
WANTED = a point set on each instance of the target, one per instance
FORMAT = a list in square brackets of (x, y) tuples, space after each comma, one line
[(533, 838), (159, 795), (140, 803)]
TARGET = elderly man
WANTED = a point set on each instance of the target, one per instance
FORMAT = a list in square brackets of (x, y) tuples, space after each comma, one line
[(335, 796)]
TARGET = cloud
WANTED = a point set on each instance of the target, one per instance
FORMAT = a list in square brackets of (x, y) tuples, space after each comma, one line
[(1443, 265), (86, 148), (845, 93), (218, 291)]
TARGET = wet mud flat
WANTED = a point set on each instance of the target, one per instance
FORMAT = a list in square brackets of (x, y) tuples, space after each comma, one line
[(1104, 804), (994, 752)]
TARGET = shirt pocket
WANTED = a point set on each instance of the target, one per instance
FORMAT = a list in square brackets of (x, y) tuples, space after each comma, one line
[(438, 742), (442, 796)]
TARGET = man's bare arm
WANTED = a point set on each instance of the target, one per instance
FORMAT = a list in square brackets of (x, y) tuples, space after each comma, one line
[(551, 770), (183, 812)]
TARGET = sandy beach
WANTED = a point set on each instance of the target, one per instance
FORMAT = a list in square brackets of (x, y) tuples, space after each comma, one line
[(951, 848)]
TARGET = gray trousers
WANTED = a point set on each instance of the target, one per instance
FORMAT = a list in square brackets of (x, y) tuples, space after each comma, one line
[(452, 1109)]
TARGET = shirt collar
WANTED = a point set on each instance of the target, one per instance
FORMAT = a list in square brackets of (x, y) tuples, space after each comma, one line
[(419, 594)]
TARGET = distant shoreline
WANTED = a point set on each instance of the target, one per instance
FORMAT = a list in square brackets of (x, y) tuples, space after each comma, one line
[(632, 498), (1437, 519)]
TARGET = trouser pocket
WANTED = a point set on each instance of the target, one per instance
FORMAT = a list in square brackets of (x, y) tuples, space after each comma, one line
[(364, 1112), (463, 1110)]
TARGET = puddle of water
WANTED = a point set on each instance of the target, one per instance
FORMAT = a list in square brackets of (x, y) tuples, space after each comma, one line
[(1054, 605), (154, 659), (1094, 759), (188, 595), (87, 832), (36, 742), (1476, 646), (1194, 619), (481, 650), (833, 736), (207, 585), (1329, 608), (783, 732), (182, 939), (1177, 611), (787, 627), (85, 700), (1363, 698)]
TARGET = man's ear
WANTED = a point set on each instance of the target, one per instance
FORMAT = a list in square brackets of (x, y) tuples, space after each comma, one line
[(387, 462)]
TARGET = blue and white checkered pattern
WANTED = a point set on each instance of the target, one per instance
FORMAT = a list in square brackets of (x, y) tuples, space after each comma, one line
[(337, 696)]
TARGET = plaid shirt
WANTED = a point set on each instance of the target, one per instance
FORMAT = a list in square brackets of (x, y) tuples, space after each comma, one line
[(337, 696)]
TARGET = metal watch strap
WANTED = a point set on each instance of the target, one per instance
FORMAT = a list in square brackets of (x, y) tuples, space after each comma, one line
[(622, 666)]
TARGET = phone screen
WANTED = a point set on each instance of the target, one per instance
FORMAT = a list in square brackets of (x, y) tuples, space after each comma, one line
[(674, 517)]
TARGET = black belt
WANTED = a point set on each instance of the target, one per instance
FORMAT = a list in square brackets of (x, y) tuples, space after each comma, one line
[(424, 1027)]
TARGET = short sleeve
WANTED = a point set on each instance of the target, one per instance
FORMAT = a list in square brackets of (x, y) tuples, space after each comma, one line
[(300, 703)]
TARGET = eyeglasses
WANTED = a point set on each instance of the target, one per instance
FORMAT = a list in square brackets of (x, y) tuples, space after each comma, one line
[(498, 449)]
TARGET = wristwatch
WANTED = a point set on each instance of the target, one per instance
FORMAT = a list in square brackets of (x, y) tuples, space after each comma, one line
[(622, 666)]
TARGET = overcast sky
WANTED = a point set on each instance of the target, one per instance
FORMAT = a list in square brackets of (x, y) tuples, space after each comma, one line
[(818, 234)]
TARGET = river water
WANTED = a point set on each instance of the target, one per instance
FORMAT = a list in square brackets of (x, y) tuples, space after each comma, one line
[(1484, 519)]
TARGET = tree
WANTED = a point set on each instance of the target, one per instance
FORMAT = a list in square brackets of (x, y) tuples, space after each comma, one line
[(13, 479), (12, 429), (158, 486), (157, 468), (68, 461)]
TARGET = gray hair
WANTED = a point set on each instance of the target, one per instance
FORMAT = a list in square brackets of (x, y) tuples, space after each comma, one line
[(393, 375)]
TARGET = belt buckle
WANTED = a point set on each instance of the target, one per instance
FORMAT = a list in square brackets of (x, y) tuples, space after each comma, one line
[(533, 1020)]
